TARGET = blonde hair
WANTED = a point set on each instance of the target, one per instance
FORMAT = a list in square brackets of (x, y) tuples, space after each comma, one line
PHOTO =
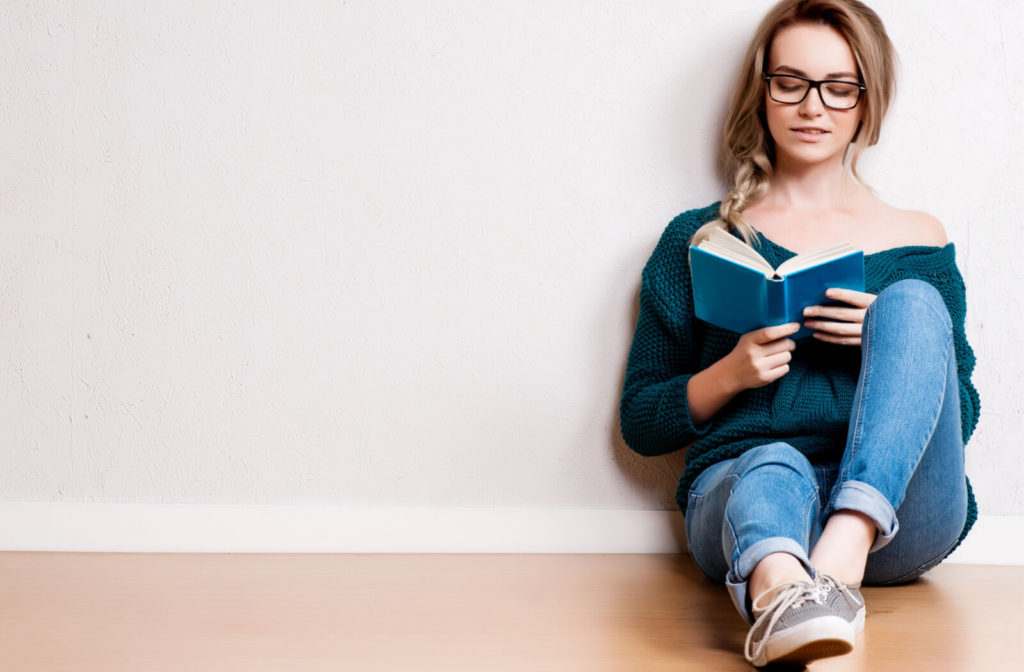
[(749, 150)]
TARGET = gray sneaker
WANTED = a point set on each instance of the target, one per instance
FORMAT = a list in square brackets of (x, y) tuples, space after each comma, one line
[(796, 627), (843, 599)]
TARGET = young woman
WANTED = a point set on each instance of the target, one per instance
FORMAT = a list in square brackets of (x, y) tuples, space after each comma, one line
[(814, 465)]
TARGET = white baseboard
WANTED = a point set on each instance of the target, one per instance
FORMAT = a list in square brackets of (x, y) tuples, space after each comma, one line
[(180, 528)]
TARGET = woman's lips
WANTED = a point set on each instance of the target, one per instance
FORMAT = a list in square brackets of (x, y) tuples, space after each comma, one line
[(810, 134)]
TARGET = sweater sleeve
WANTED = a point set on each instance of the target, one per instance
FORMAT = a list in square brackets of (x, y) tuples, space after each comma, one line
[(654, 412)]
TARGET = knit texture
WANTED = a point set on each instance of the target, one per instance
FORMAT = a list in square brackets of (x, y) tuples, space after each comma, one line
[(808, 408)]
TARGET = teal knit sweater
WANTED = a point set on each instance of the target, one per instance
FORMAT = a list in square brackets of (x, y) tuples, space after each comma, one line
[(808, 408)]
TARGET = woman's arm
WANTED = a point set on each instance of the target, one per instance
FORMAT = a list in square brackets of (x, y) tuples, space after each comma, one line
[(759, 358), (654, 413), (666, 404), (668, 401)]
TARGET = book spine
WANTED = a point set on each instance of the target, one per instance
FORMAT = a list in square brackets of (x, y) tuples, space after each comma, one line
[(775, 302)]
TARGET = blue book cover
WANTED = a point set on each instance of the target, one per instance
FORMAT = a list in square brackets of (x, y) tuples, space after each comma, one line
[(730, 293)]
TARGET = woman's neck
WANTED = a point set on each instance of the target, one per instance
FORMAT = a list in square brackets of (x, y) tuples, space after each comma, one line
[(826, 186)]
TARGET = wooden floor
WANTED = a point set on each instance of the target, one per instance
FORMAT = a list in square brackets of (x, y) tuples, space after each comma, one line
[(154, 612)]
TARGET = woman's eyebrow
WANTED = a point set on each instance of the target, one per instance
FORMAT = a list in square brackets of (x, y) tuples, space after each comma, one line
[(801, 73)]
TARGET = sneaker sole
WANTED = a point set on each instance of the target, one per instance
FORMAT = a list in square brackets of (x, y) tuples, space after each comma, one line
[(858, 621), (819, 638), (824, 648)]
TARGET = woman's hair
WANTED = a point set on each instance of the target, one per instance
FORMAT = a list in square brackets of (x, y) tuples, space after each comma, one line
[(749, 150)]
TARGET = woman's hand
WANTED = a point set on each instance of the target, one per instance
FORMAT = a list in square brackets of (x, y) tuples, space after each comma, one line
[(847, 331), (762, 356)]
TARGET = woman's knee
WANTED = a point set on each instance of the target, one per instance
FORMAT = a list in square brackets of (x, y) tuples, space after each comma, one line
[(778, 454), (756, 484), (773, 479), (912, 287), (905, 298)]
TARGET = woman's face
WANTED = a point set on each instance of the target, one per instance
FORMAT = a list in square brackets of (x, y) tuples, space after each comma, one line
[(809, 132)]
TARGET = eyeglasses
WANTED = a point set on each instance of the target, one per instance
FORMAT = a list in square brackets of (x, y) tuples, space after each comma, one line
[(834, 93)]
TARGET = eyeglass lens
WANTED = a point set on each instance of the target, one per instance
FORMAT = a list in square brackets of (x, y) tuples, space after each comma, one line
[(839, 95)]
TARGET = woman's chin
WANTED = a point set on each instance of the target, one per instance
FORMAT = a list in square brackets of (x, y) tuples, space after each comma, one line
[(807, 154)]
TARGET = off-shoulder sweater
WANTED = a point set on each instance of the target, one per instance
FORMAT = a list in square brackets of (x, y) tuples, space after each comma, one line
[(808, 408)]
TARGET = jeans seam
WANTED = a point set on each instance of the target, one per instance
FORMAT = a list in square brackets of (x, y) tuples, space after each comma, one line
[(807, 522), (933, 421), (943, 316), (695, 503), (734, 556), (856, 435), (858, 425)]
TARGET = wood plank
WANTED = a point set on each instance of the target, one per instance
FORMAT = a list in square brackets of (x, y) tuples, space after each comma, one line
[(154, 612)]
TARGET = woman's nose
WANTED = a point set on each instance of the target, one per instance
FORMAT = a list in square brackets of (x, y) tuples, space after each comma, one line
[(812, 102)]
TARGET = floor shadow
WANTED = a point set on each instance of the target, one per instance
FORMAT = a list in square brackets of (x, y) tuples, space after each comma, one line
[(658, 476)]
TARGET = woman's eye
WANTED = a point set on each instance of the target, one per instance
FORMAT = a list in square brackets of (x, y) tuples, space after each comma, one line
[(842, 91)]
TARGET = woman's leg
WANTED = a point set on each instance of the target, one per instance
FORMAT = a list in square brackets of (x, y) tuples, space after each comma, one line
[(903, 469), (749, 522), (934, 507), (763, 503)]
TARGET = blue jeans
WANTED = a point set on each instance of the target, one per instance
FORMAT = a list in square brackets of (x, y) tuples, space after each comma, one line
[(903, 465)]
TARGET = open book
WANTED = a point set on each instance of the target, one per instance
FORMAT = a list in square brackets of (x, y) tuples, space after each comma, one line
[(736, 289)]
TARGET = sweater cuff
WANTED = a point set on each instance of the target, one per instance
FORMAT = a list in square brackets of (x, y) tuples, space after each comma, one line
[(657, 420), (687, 427)]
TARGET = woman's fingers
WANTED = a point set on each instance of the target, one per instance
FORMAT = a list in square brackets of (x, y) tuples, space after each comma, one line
[(850, 321), (850, 296), (839, 340), (775, 361), (781, 345), (836, 313), (835, 328), (769, 334)]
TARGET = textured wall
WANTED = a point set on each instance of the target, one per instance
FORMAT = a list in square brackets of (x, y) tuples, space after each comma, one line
[(387, 253)]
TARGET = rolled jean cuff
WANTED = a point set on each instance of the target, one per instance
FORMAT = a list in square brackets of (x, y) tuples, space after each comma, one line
[(736, 580), (863, 498)]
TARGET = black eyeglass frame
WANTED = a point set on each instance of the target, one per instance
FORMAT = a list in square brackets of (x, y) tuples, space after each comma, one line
[(813, 84)]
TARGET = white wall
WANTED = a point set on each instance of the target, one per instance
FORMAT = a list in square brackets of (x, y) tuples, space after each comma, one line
[(386, 254)]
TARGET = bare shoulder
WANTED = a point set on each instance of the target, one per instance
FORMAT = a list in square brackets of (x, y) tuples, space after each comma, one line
[(925, 228), (912, 227)]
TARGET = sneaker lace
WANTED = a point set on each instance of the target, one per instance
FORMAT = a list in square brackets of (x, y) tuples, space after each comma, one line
[(826, 581), (786, 596)]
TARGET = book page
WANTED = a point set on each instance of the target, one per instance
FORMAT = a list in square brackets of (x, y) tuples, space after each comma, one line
[(813, 258), (726, 245)]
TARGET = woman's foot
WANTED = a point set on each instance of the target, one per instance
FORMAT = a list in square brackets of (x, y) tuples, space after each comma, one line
[(794, 624), (775, 570), (842, 549), (845, 600)]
